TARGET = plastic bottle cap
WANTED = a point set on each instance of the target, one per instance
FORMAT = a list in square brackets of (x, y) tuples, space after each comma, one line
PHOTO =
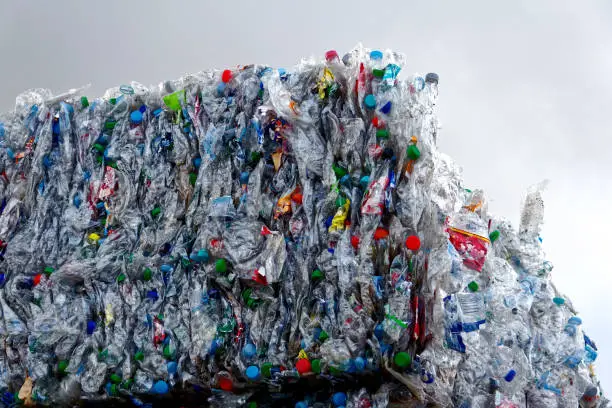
[(249, 350), (355, 241), (340, 201), (303, 366), (301, 404), (115, 378), (244, 177), (165, 268), (121, 277), (136, 117), (252, 372), (155, 211), (152, 294), (225, 384), (575, 320), (510, 376), (36, 279), (413, 152), (139, 356), (376, 55), (339, 171), (172, 367), (364, 181), (413, 243), (386, 108), (382, 134), (160, 387), (91, 327), (221, 265), (323, 336), (252, 404), (402, 359), (317, 274), (473, 286), (330, 55), (370, 101), (360, 363), (265, 369), (378, 73), (339, 399), (84, 102), (297, 198), (197, 161), (381, 233), (316, 366), (146, 274), (494, 235), (62, 365), (226, 76), (432, 78), (558, 301)]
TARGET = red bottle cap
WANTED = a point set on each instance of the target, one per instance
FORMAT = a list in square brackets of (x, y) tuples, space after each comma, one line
[(297, 198), (330, 55), (381, 233), (36, 279), (355, 241), (303, 366), (377, 123), (413, 243), (226, 76), (225, 384)]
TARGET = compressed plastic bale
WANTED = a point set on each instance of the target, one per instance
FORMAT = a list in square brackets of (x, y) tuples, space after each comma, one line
[(236, 231)]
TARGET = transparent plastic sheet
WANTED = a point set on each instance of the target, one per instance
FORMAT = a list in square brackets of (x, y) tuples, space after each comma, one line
[(269, 237)]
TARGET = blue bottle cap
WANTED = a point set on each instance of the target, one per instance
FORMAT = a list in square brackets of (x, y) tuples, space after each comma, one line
[(197, 161), (316, 333), (575, 320), (386, 108), (199, 256), (252, 372), (249, 350), (152, 294), (157, 112), (47, 162), (166, 268), (432, 78), (2, 278), (328, 221), (221, 87), (364, 181), (370, 101), (360, 363), (339, 399), (558, 301), (91, 327), (56, 128), (160, 387), (301, 404), (244, 177), (136, 117), (379, 331), (172, 367), (282, 72), (510, 375), (376, 55), (77, 201), (143, 108)]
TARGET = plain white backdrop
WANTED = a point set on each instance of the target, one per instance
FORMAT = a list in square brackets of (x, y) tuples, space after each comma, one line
[(525, 90)]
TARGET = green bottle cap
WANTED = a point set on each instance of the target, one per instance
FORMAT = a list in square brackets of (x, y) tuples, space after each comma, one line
[(156, 211), (113, 101), (62, 365), (121, 277), (139, 356), (413, 152), (334, 370), (110, 124), (323, 335), (99, 147), (252, 404), (115, 378), (402, 359), (113, 389), (494, 235), (221, 265), (192, 178), (146, 275), (317, 274), (473, 286), (84, 102), (339, 171), (316, 366), (49, 270), (382, 134), (167, 351), (378, 73), (340, 201), (265, 369)]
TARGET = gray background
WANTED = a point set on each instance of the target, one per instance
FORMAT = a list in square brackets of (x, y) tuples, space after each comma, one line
[(526, 92)]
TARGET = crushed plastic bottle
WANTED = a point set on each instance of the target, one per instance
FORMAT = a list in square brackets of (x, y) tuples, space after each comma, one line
[(252, 236)]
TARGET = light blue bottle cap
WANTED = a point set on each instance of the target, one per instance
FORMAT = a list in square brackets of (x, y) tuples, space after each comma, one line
[(249, 350), (197, 161), (339, 399), (136, 117), (160, 387), (376, 55), (252, 372), (370, 101), (165, 268), (301, 404), (575, 320)]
